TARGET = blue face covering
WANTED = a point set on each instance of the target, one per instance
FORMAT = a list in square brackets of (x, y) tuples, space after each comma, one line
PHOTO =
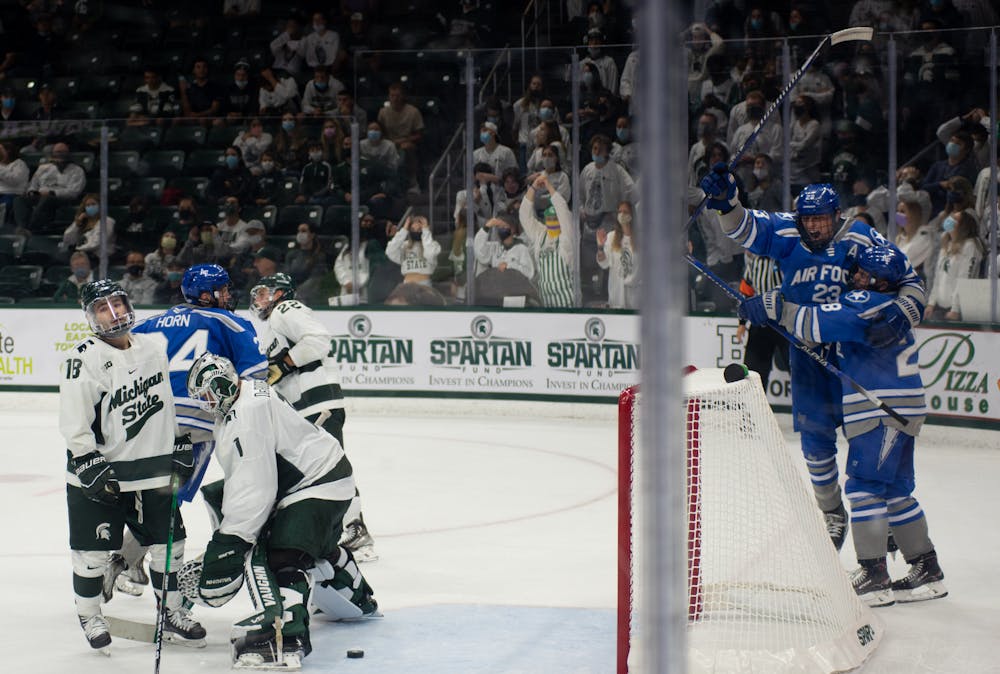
[(599, 159), (374, 136), (953, 149), (232, 161), (546, 113), (484, 137), (622, 134), (288, 125), (949, 224), (8, 103), (92, 210)]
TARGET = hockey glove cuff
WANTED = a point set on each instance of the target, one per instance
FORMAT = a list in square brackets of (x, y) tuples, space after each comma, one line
[(97, 478), (277, 368), (222, 568), (762, 308), (183, 458), (719, 185), (888, 327)]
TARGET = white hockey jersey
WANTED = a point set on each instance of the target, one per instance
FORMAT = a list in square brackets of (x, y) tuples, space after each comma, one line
[(119, 402), (315, 384), (272, 457)]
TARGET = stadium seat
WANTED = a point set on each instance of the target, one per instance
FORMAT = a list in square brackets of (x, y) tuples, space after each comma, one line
[(266, 214), (336, 220), (115, 187), (116, 272), (289, 217), (123, 163), (163, 217), (99, 87), (20, 280), (85, 160), (190, 185), (85, 61), (185, 137), (11, 247), (139, 138), (151, 188), (127, 62), (222, 137), (116, 109), (166, 163), (203, 162), (82, 109), (165, 60), (287, 190)]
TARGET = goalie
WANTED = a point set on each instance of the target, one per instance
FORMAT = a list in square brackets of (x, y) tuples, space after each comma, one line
[(287, 486)]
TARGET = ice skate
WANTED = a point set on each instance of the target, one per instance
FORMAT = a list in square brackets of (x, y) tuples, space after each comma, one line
[(180, 627), (260, 652), (116, 565), (133, 580), (359, 541), (836, 525), (96, 630), (923, 582), (872, 584)]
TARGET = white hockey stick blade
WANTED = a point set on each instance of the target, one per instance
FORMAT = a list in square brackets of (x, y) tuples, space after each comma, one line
[(290, 662), (851, 34), (131, 629)]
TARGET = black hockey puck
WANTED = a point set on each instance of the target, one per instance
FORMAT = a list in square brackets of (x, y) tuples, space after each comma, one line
[(355, 653), (735, 372)]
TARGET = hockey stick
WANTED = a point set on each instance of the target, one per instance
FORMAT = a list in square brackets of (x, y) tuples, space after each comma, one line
[(846, 35), (161, 614), (798, 344)]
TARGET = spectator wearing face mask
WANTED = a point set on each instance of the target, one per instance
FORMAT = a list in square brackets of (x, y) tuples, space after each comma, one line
[(375, 278), (55, 183), (375, 147), (916, 239), (497, 246), (961, 256), (959, 162), (765, 195), (169, 290), (414, 249), (140, 288), (605, 64), (279, 94), (252, 143), (231, 227), (805, 146), (8, 106), (319, 99), (315, 177), (617, 252), (84, 233), (305, 258), (321, 47), (707, 132), (491, 152), (770, 139), (526, 116), (624, 150), (547, 134), (203, 246), (68, 291), (291, 145), (232, 179), (553, 246), (250, 247), (331, 139), (157, 260), (267, 181), (285, 47), (240, 98), (551, 168), (603, 185)]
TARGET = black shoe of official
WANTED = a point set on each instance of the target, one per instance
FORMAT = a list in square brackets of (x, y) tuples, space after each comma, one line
[(923, 582), (872, 584), (836, 525)]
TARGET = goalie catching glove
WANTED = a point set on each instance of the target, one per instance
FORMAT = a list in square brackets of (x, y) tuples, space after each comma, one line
[(97, 478), (215, 578), (760, 309), (277, 368)]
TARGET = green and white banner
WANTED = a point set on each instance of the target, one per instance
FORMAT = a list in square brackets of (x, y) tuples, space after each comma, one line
[(522, 355)]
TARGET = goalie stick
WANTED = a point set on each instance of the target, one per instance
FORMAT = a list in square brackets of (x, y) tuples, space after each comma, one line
[(847, 35), (799, 344)]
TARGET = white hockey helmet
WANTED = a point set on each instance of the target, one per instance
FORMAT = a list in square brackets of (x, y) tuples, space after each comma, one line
[(212, 382)]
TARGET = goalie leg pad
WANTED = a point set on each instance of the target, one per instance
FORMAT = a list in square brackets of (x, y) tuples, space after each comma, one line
[(339, 591)]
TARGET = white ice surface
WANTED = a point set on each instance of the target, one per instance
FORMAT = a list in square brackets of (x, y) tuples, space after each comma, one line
[(497, 544)]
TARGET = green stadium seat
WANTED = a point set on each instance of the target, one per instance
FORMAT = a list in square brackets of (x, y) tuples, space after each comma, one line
[(151, 188), (166, 163), (191, 186), (289, 217), (139, 138), (185, 137), (203, 162), (123, 163)]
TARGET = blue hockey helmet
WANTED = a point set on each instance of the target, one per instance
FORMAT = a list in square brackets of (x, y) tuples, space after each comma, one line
[(882, 263), (207, 278), (817, 199)]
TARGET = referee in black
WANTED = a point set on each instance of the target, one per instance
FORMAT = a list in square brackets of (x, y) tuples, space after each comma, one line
[(763, 344)]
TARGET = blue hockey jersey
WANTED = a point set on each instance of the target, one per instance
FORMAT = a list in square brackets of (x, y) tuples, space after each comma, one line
[(891, 373), (817, 278), (188, 332)]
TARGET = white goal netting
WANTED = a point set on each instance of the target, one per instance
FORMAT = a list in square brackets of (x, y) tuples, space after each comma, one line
[(766, 590)]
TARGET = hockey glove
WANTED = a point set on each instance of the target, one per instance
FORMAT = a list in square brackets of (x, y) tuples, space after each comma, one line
[(762, 308), (97, 478), (277, 368), (719, 186), (888, 327), (183, 457), (222, 568)]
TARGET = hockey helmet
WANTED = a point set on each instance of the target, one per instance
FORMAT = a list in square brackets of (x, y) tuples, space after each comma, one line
[(211, 279), (817, 200), (107, 307), (213, 383), (262, 300), (881, 263)]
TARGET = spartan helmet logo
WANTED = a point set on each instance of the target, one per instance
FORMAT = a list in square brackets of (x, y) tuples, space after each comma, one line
[(103, 531), (481, 327), (360, 326), (594, 329)]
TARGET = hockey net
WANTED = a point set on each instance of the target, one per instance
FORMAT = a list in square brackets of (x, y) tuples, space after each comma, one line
[(766, 590)]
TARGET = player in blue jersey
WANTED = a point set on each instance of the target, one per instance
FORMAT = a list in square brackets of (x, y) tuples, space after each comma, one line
[(880, 476), (816, 251), (204, 323)]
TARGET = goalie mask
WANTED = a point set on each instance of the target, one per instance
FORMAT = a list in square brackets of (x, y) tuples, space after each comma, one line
[(213, 383), (108, 309), (264, 297)]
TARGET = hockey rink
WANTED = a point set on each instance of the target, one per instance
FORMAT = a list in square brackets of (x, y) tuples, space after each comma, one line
[(496, 536)]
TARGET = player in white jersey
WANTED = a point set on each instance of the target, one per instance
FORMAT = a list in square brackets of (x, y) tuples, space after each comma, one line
[(116, 413), (302, 370), (287, 487)]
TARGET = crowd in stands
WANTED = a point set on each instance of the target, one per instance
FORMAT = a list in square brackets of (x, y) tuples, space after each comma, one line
[(230, 141)]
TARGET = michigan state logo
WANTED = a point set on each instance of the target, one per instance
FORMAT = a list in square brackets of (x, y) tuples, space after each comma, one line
[(103, 531), (482, 327), (594, 329), (360, 326)]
